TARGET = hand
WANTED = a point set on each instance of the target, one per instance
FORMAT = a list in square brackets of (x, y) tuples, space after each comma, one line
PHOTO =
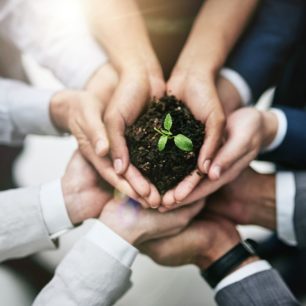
[(231, 101), (137, 225), (250, 199), (238, 150), (201, 243), (85, 194), (81, 112), (136, 86), (119, 27), (248, 131)]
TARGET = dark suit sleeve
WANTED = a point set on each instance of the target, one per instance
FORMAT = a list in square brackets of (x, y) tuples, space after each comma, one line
[(292, 152), (300, 209), (261, 289), (267, 43)]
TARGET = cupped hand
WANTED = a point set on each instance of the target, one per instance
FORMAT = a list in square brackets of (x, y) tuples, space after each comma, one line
[(136, 87), (247, 132), (198, 91), (80, 113), (136, 224)]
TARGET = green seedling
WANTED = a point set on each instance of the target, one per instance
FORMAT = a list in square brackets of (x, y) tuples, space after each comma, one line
[(181, 141)]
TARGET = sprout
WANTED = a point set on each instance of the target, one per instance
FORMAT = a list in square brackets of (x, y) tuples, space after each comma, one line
[(181, 141)]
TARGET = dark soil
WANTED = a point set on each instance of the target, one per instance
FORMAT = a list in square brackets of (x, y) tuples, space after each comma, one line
[(167, 168)]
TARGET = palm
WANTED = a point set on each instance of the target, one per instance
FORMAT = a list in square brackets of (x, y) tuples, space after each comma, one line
[(92, 193)]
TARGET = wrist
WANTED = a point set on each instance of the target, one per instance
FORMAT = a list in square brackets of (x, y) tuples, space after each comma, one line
[(270, 127), (216, 251), (59, 109), (70, 198), (128, 233), (228, 95), (264, 211)]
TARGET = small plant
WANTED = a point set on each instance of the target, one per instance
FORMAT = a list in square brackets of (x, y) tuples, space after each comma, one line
[(180, 140)]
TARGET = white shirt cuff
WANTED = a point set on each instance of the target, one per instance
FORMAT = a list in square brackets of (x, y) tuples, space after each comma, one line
[(244, 272), (281, 130), (54, 209), (285, 204), (113, 244), (29, 110), (239, 83)]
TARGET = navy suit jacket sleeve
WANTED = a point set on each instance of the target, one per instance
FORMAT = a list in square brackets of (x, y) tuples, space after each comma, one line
[(292, 151), (267, 44)]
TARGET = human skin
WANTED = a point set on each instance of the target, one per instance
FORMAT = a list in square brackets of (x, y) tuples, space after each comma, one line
[(201, 243), (239, 149)]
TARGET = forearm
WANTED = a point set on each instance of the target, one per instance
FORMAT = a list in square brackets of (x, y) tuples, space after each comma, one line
[(23, 230), (100, 278), (57, 37), (24, 110), (216, 30), (119, 27)]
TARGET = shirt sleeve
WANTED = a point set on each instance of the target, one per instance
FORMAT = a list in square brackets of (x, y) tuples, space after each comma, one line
[(285, 204), (112, 244), (54, 209), (24, 110), (281, 130), (244, 272), (239, 83), (56, 35)]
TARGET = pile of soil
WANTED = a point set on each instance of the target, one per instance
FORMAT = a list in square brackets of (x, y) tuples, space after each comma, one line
[(165, 169)]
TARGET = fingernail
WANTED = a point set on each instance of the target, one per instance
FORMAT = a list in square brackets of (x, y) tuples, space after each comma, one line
[(100, 147), (216, 172), (206, 165), (118, 165)]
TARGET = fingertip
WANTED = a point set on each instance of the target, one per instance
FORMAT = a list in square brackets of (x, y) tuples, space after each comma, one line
[(215, 173), (168, 199), (154, 198)]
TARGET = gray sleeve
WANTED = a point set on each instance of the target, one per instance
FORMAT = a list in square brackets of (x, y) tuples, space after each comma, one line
[(86, 276), (261, 289), (23, 230), (300, 209)]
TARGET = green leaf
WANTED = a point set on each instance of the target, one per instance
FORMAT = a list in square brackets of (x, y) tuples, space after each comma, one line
[(183, 143), (168, 122), (162, 143), (166, 132)]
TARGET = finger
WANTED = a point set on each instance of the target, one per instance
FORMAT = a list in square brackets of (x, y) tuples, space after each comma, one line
[(213, 137), (115, 126), (137, 181), (175, 85), (207, 187), (158, 86), (185, 187), (230, 153), (168, 198), (178, 219), (126, 105), (154, 198), (104, 167), (96, 133)]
